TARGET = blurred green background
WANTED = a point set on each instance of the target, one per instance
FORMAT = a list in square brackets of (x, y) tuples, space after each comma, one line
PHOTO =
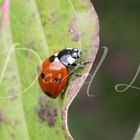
[(110, 115)]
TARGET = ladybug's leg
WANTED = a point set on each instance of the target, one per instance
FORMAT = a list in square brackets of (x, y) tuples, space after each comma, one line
[(82, 65), (75, 74), (62, 91), (78, 65), (85, 62)]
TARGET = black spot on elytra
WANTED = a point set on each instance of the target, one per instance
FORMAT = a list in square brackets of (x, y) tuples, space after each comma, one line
[(47, 113), (52, 58), (42, 75), (58, 80), (50, 95)]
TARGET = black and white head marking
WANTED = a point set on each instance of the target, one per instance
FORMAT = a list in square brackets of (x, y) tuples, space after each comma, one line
[(54, 57), (69, 56)]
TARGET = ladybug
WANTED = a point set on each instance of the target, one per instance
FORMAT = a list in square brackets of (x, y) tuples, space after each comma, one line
[(55, 70)]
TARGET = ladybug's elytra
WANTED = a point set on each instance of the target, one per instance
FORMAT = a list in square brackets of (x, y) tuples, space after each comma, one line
[(54, 73)]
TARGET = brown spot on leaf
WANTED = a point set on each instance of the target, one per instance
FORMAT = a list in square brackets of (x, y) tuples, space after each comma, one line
[(76, 37), (63, 127), (16, 123), (13, 98), (2, 119), (57, 132), (31, 44), (13, 136), (46, 113), (71, 31)]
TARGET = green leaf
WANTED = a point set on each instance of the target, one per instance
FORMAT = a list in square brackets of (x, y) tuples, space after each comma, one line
[(30, 31)]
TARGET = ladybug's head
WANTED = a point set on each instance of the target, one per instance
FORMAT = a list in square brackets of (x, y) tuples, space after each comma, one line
[(75, 53), (69, 56)]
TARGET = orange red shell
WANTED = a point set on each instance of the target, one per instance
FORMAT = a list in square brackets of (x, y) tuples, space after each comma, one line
[(53, 77)]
